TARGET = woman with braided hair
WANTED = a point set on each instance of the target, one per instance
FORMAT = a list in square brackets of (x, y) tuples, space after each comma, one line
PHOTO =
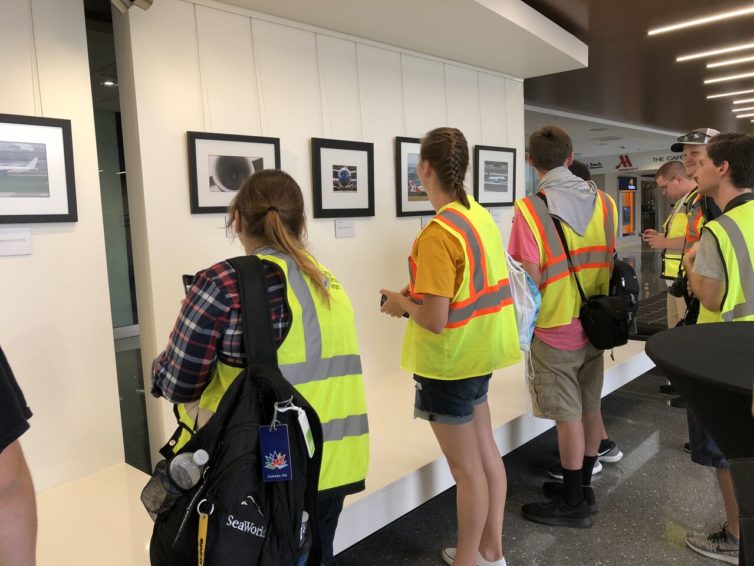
[(461, 328)]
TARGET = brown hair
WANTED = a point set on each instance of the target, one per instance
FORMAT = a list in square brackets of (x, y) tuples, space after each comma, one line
[(549, 147), (271, 208), (671, 170), (448, 155), (738, 150)]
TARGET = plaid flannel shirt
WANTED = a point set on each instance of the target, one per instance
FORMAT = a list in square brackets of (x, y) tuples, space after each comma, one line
[(209, 329)]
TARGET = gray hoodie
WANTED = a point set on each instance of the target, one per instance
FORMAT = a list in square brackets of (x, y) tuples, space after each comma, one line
[(569, 198)]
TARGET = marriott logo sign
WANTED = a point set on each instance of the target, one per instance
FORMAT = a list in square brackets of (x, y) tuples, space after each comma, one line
[(624, 163)]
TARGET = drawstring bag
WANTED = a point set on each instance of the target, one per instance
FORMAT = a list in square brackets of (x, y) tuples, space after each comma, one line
[(527, 301)]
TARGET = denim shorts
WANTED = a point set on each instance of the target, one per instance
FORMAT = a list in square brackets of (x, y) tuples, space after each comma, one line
[(449, 401), (704, 450)]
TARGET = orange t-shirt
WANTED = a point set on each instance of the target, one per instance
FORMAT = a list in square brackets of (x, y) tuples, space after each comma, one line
[(439, 262)]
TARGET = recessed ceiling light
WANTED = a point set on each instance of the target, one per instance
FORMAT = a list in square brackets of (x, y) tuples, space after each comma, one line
[(743, 109), (705, 20), (734, 93), (729, 62), (744, 116), (713, 52), (109, 83), (728, 78), (743, 101)]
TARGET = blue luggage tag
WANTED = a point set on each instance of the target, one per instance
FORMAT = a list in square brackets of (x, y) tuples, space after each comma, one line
[(276, 452)]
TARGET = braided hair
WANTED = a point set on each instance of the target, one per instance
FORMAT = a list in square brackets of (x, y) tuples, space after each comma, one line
[(447, 151)]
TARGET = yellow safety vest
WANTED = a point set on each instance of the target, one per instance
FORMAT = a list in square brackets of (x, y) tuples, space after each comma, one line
[(320, 358), (675, 226), (591, 255), (734, 232), (481, 333)]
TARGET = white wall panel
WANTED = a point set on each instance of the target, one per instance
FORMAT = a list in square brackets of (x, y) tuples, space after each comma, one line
[(381, 92), (424, 95), (17, 94), (227, 72), (289, 96), (463, 102), (492, 98), (339, 85), (514, 100), (55, 325)]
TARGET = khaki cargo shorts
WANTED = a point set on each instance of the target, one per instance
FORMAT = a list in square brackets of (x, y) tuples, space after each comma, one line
[(562, 383)]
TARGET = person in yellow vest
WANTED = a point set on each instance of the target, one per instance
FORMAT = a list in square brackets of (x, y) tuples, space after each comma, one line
[(314, 329), (721, 276), (566, 370), (461, 328), (672, 181)]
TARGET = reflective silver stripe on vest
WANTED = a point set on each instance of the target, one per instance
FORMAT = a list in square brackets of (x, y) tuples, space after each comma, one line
[(745, 269), (551, 234), (462, 224), (338, 429), (609, 226), (590, 257), (315, 368), (488, 300)]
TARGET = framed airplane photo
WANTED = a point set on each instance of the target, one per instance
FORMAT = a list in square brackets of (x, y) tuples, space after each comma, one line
[(37, 182)]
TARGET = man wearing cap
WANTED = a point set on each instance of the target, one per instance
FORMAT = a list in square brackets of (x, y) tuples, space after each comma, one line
[(672, 181), (717, 269)]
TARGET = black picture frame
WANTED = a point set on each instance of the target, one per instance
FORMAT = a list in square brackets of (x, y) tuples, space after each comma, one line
[(233, 156), (337, 173), (37, 178), (494, 175), (405, 203)]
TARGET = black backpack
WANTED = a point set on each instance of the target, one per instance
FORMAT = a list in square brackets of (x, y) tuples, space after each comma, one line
[(249, 522), (625, 284), (605, 318)]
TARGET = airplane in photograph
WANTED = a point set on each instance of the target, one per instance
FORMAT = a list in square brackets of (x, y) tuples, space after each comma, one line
[(5, 169)]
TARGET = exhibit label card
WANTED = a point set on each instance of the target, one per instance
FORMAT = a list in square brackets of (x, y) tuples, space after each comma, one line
[(344, 229), (15, 241)]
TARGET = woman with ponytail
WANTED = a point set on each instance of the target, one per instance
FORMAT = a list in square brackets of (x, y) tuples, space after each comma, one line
[(313, 327), (461, 328)]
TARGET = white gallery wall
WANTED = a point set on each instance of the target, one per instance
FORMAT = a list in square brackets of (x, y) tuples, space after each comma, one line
[(211, 67), (55, 323)]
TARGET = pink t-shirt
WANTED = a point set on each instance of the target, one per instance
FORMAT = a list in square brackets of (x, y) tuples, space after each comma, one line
[(523, 247)]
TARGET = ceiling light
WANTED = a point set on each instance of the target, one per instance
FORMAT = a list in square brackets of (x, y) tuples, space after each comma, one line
[(743, 101), (744, 116), (728, 78), (109, 83), (743, 109), (713, 52), (735, 93), (730, 62), (705, 20)]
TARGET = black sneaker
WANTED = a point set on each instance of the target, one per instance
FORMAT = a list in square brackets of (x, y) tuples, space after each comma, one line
[(554, 489), (558, 514), (556, 470)]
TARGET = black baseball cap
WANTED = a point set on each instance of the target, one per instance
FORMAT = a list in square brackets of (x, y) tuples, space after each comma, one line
[(700, 136)]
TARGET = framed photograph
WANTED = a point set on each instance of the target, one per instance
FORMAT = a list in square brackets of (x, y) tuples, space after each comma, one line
[(343, 178), (37, 183), (494, 175), (220, 163), (410, 198)]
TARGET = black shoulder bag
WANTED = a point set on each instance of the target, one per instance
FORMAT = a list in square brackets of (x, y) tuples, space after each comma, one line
[(605, 319)]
